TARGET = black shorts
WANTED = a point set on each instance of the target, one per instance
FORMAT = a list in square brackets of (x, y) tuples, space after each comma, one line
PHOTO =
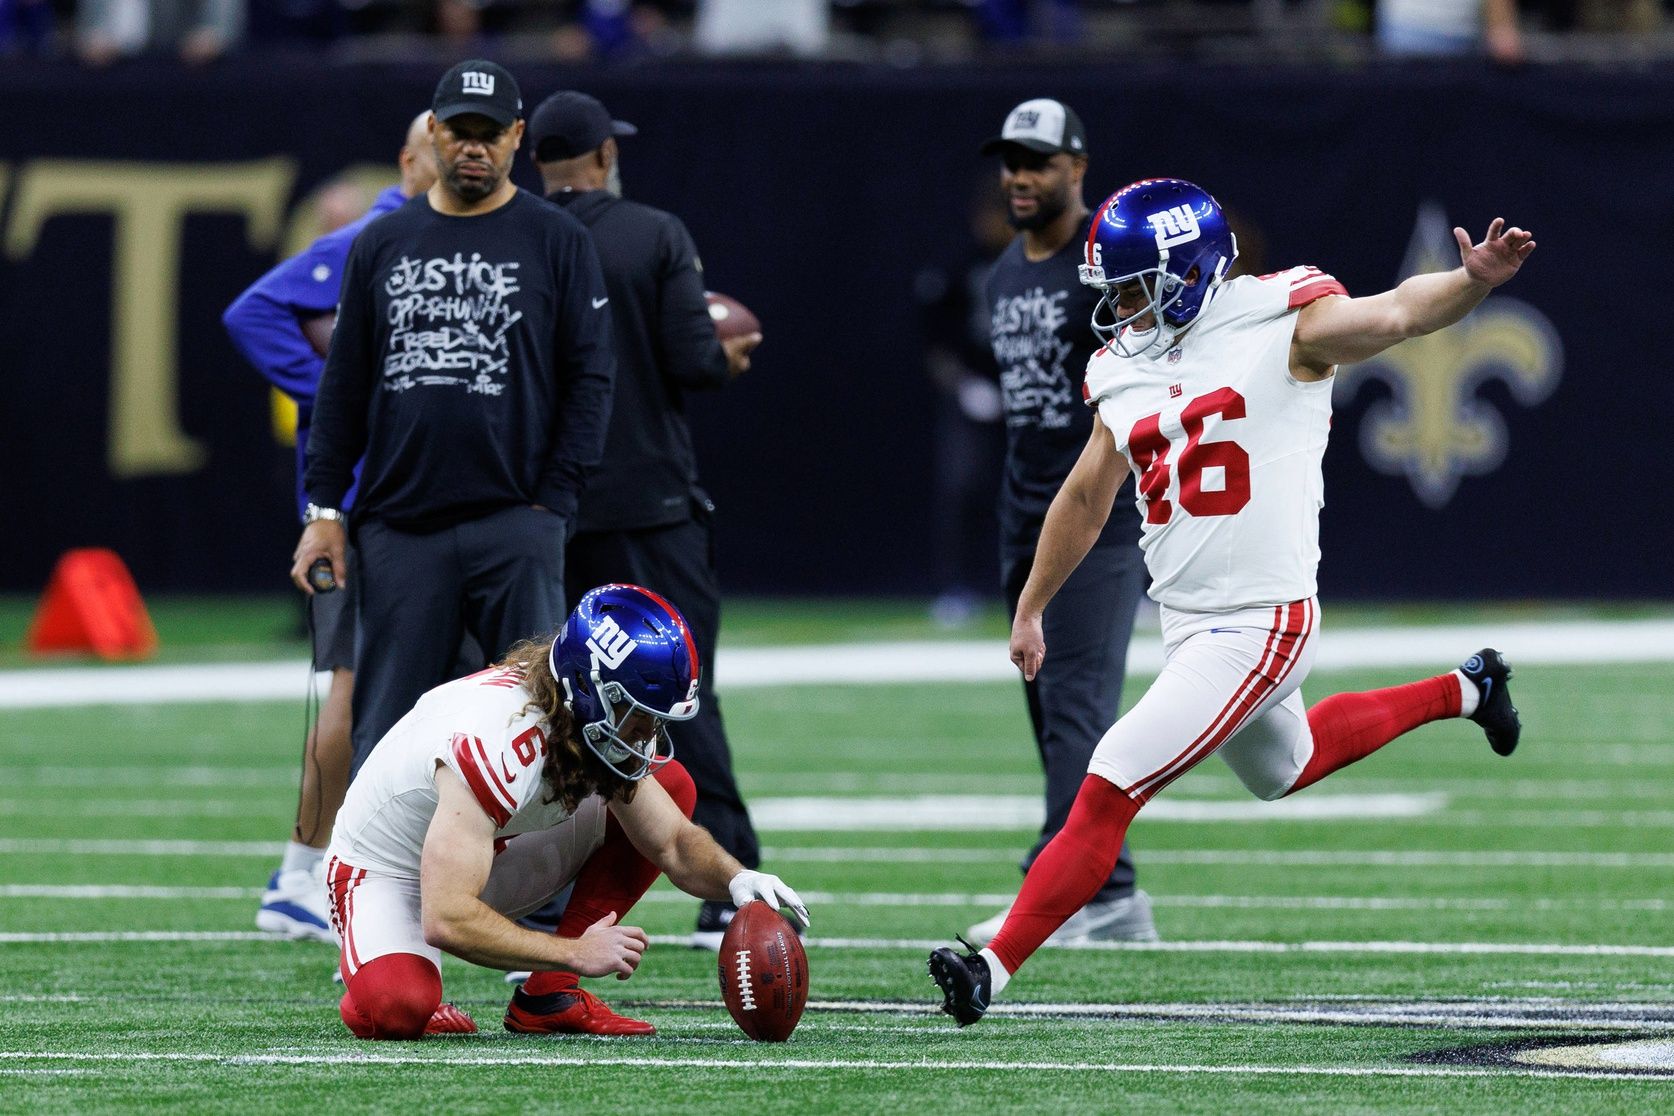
[(332, 620)]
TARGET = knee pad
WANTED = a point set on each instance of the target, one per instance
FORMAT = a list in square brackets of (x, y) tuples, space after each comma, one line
[(392, 997)]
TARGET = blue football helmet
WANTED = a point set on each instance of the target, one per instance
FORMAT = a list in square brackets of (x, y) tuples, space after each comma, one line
[(625, 650), (1155, 232)]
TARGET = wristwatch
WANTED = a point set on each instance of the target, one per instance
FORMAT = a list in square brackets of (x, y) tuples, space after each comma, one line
[(314, 512)]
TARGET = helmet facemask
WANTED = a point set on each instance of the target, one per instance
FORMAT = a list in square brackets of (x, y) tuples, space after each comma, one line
[(631, 759), (1163, 291)]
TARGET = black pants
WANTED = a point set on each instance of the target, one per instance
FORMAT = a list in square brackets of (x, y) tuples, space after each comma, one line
[(1078, 693), (498, 579), (678, 562)]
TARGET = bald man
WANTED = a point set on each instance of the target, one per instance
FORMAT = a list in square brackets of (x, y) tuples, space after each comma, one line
[(282, 325)]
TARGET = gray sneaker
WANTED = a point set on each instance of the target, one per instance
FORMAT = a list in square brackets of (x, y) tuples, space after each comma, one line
[(1127, 919)]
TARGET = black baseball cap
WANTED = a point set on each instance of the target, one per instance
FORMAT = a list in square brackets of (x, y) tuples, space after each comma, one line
[(478, 86), (1043, 126), (568, 124)]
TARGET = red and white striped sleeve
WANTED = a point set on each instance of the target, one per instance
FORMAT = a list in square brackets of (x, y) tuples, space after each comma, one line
[(1306, 284), (492, 783)]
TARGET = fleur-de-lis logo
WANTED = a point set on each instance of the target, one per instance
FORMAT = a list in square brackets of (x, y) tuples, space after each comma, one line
[(1435, 429)]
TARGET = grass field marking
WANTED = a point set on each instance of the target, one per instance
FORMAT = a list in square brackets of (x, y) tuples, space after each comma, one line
[(826, 814), (346, 1059), (1463, 1015), (945, 812), (156, 775), (25, 937), (826, 854), (1657, 1053), (897, 899), (1545, 949), (133, 807), (86, 846), (1371, 858), (888, 663), (123, 891)]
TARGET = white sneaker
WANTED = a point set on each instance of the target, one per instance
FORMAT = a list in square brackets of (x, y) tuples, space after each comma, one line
[(294, 906), (1127, 919), (1117, 920)]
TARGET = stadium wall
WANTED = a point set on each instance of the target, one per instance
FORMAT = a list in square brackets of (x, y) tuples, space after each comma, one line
[(1518, 457)]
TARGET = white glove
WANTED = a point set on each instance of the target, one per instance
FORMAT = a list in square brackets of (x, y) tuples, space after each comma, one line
[(773, 891)]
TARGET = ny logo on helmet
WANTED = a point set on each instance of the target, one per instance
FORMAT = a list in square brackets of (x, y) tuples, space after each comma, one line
[(1434, 428), (610, 645), (1174, 226)]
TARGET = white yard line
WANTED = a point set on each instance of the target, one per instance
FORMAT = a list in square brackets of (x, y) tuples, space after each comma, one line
[(971, 812), (883, 813), (1233, 857), (1313, 858), (91, 846), (1433, 648), (1543, 949), (553, 1057), (899, 900)]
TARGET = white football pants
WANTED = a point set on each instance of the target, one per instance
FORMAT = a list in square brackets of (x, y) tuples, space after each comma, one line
[(377, 913), (1231, 682)]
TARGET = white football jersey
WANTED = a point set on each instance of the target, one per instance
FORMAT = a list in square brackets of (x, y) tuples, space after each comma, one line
[(477, 726), (1226, 447)]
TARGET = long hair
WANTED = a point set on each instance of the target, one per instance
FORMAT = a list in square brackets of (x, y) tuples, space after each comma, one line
[(571, 769)]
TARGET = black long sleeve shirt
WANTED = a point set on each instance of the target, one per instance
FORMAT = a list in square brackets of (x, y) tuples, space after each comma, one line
[(472, 363), (665, 346)]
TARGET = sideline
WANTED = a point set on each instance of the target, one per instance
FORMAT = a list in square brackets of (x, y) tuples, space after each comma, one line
[(1433, 648)]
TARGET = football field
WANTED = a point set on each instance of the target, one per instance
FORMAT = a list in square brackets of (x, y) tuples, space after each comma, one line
[(1433, 929)]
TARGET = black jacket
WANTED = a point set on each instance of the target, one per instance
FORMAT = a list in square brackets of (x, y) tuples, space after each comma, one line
[(471, 362), (665, 346)]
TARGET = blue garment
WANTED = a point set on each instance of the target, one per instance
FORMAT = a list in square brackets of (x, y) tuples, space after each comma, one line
[(265, 322)]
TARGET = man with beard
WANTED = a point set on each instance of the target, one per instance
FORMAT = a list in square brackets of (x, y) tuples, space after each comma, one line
[(472, 366), (1042, 336)]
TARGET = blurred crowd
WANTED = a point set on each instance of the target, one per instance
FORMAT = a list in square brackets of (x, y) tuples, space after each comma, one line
[(899, 32)]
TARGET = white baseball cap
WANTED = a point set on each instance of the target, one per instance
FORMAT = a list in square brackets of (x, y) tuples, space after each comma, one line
[(1043, 126)]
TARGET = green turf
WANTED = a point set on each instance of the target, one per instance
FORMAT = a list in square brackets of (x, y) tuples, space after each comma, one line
[(1594, 778)]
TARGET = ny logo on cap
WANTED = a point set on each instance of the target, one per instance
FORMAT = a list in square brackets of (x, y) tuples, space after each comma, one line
[(477, 82), (1026, 119), (1174, 226)]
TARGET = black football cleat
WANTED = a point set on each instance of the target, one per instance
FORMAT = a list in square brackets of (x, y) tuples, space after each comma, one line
[(1494, 711), (964, 980)]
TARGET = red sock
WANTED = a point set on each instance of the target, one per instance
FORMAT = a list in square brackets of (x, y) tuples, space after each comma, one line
[(1348, 727), (1068, 872), (392, 997), (613, 879)]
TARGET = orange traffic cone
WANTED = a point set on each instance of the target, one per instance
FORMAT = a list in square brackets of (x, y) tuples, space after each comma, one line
[(91, 604)]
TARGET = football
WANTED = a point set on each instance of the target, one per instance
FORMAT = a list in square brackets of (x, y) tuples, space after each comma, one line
[(318, 331), (731, 317), (764, 973)]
